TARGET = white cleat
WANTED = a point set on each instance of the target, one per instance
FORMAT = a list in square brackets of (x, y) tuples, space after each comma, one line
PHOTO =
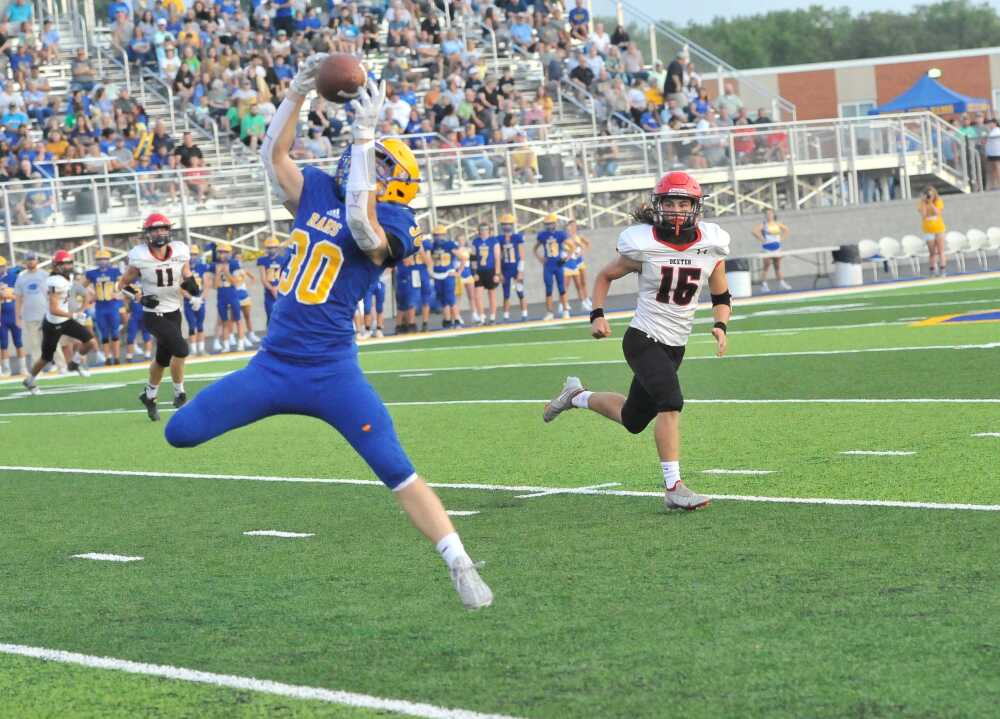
[(565, 314), (680, 497), (29, 384), (764, 287), (784, 285), (548, 316), (564, 400), (216, 346), (379, 334), (472, 590), (586, 305), (241, 346), (253, 338)]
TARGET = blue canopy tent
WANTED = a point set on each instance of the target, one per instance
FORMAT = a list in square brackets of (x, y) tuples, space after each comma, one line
[(929, 94)]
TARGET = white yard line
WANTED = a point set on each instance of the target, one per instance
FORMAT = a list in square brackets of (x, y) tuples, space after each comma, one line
[(277, 533), (573, 490), (508, 488), (448, 402), (418, 374), (229, 681), (987, 434), (461, 513), (107, 557), (749, 472), (877, 453)]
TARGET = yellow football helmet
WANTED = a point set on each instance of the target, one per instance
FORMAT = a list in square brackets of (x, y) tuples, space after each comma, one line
[(223, 247), (3, 261), (102, 255), (195, 250), (439, 231), (507, 219), (397, 171), (551, 219), (271, 242)]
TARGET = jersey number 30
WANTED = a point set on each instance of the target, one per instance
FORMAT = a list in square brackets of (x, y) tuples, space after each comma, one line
[(686, 288), (312, 270)]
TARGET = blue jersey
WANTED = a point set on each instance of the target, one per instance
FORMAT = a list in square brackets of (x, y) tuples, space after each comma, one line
[(483, 250), (272, 267), (7, 298), (104, 282), (199, 269), (224, 287), (510, 251), (551, 242), (443, 254), (327, 275)]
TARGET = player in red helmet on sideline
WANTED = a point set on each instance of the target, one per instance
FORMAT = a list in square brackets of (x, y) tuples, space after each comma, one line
[(674, 252), (59, 321), (160, 265)]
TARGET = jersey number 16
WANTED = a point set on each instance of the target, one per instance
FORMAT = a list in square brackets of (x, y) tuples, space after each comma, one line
[(686, 288)]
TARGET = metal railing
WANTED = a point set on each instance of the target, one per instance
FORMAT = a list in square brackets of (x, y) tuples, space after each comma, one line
[(850, 149)]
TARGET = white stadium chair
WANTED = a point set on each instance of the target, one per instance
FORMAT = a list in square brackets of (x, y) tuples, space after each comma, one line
[(868, 250), (890, 249), (978, 242), (914, 250), (993, 235), (955, 243)]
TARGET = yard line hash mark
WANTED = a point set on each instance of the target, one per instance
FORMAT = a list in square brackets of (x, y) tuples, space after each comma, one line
[(461, 513), (568, 490), (229, 681), (516, 488), (737, 471), (107, 557), (877, 453), (987, 434), (277, 533)]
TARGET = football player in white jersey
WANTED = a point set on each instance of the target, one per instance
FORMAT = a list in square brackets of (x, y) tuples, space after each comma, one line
[(161, 267), (674, 253), (60, 321)]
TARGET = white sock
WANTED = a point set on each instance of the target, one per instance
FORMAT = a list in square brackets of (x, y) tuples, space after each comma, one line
[(178, 388), (451, 550), (671, 474), (582, 400), (78, 358), (151, 390)]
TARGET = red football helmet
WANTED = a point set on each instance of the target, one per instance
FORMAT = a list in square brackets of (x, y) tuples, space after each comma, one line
[(157, 229), (673, 185), (62, 262)]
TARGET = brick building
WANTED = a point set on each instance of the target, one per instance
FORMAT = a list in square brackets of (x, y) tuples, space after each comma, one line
[(852, 87)]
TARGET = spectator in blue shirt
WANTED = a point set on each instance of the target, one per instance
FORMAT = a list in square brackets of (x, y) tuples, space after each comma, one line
[(474, 162), (282, 70), (19, 11), (284, 18), (649, 120), (521, 32), (13, 118), (579, 20)]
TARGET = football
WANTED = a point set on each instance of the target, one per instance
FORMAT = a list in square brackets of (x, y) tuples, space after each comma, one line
[(339, 78)]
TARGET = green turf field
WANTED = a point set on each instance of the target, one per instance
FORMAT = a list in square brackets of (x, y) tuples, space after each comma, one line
[(606, 605)]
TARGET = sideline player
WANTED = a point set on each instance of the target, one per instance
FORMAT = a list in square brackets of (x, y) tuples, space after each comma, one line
[(486, 250), (512, 264), (407, 296), (103, 279), (465, 285), (374, 310), (308, 364), (269, 266), (674, 253), (225, 280), (549, 251), (443, 263), (422, 261), (576, 268), (243, 280), (160, 265), (9, 329), (60, 321), (195, 318)]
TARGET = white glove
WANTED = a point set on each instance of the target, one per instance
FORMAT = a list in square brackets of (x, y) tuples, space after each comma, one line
[(197, 302), (304, 81), (367, 108)]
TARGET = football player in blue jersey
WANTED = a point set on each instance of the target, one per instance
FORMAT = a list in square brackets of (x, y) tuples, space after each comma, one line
[(486, 250), (512, 264), (9, 329), (374, 310), (423, 261), (196, 318), (347, 229), (444, 263), (269, 266), (103, 280), (549, 251), (407, 296), (136, 324), (226, 280)]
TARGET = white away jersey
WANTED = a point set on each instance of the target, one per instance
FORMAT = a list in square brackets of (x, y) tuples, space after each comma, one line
[(60, 286), (161, 278), (671, 278)]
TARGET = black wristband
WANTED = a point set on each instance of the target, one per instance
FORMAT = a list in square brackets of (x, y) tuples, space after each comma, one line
[(721, 326), (594, 314)]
